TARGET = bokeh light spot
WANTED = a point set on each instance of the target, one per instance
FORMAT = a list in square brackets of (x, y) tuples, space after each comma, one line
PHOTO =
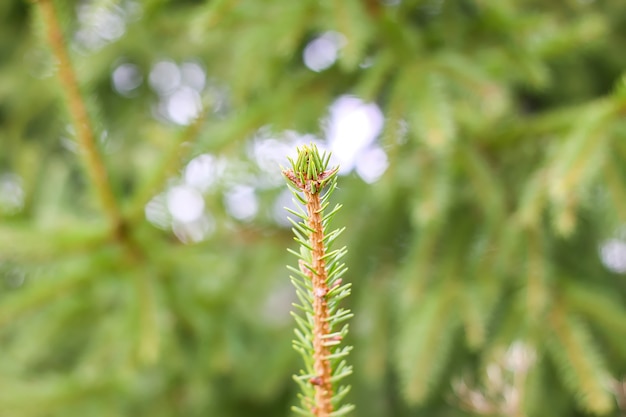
[(126, 78), (184, 105), (194, 231), (281, 216), (165, 77), (193, 75), (352, 127), (372, 164), (203, 171), (241, 202), (157, 213), (185, 203), (613, 255), (100, 24), (322, 52), (11, 194)]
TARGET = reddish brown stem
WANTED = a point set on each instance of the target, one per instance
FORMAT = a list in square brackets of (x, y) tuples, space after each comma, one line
[(323, 370)]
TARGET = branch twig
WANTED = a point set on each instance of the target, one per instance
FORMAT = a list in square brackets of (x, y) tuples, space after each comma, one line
[(97, 173), (92, 160), (319, 287), (323, 371)]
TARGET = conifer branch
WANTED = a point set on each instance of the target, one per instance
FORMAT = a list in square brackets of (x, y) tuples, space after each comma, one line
[(78, 112), (319, 287), (97, 173)]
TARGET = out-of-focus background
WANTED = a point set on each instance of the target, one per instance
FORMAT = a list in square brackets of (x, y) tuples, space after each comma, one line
[(481, 146)]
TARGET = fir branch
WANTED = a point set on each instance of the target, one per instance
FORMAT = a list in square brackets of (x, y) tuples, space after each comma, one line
[(78, 112), (148, 348), (35, 297), (614, 185), (148, 338), (423, 348), (574, 351), (319, 287)]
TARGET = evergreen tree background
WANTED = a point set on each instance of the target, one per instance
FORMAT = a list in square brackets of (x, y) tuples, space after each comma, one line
[(147, 277)]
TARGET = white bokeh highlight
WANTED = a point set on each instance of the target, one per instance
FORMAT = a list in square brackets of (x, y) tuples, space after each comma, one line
[(179, 88), (203, 171), (193, 75), (353, 126), (241, 202), (182, 211), (613, 255), (183, 106), (195, 231), (271, 152), (126, 78), (11, 193), (281, 216), (164, 77), (323, 51), (372, 164), (157, 213), (185, 203), (101, 23)]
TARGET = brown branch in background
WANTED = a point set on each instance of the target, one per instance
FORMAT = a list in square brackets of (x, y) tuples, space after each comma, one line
[(148, 348), (78, 112)]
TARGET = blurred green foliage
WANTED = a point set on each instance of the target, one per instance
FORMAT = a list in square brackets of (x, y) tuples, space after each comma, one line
[(476, 259)]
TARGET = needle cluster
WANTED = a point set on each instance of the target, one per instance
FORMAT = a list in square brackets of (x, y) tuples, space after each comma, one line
[(321, 322)]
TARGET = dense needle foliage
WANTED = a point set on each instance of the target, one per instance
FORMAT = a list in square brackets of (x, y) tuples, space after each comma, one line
[(488, 260)]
